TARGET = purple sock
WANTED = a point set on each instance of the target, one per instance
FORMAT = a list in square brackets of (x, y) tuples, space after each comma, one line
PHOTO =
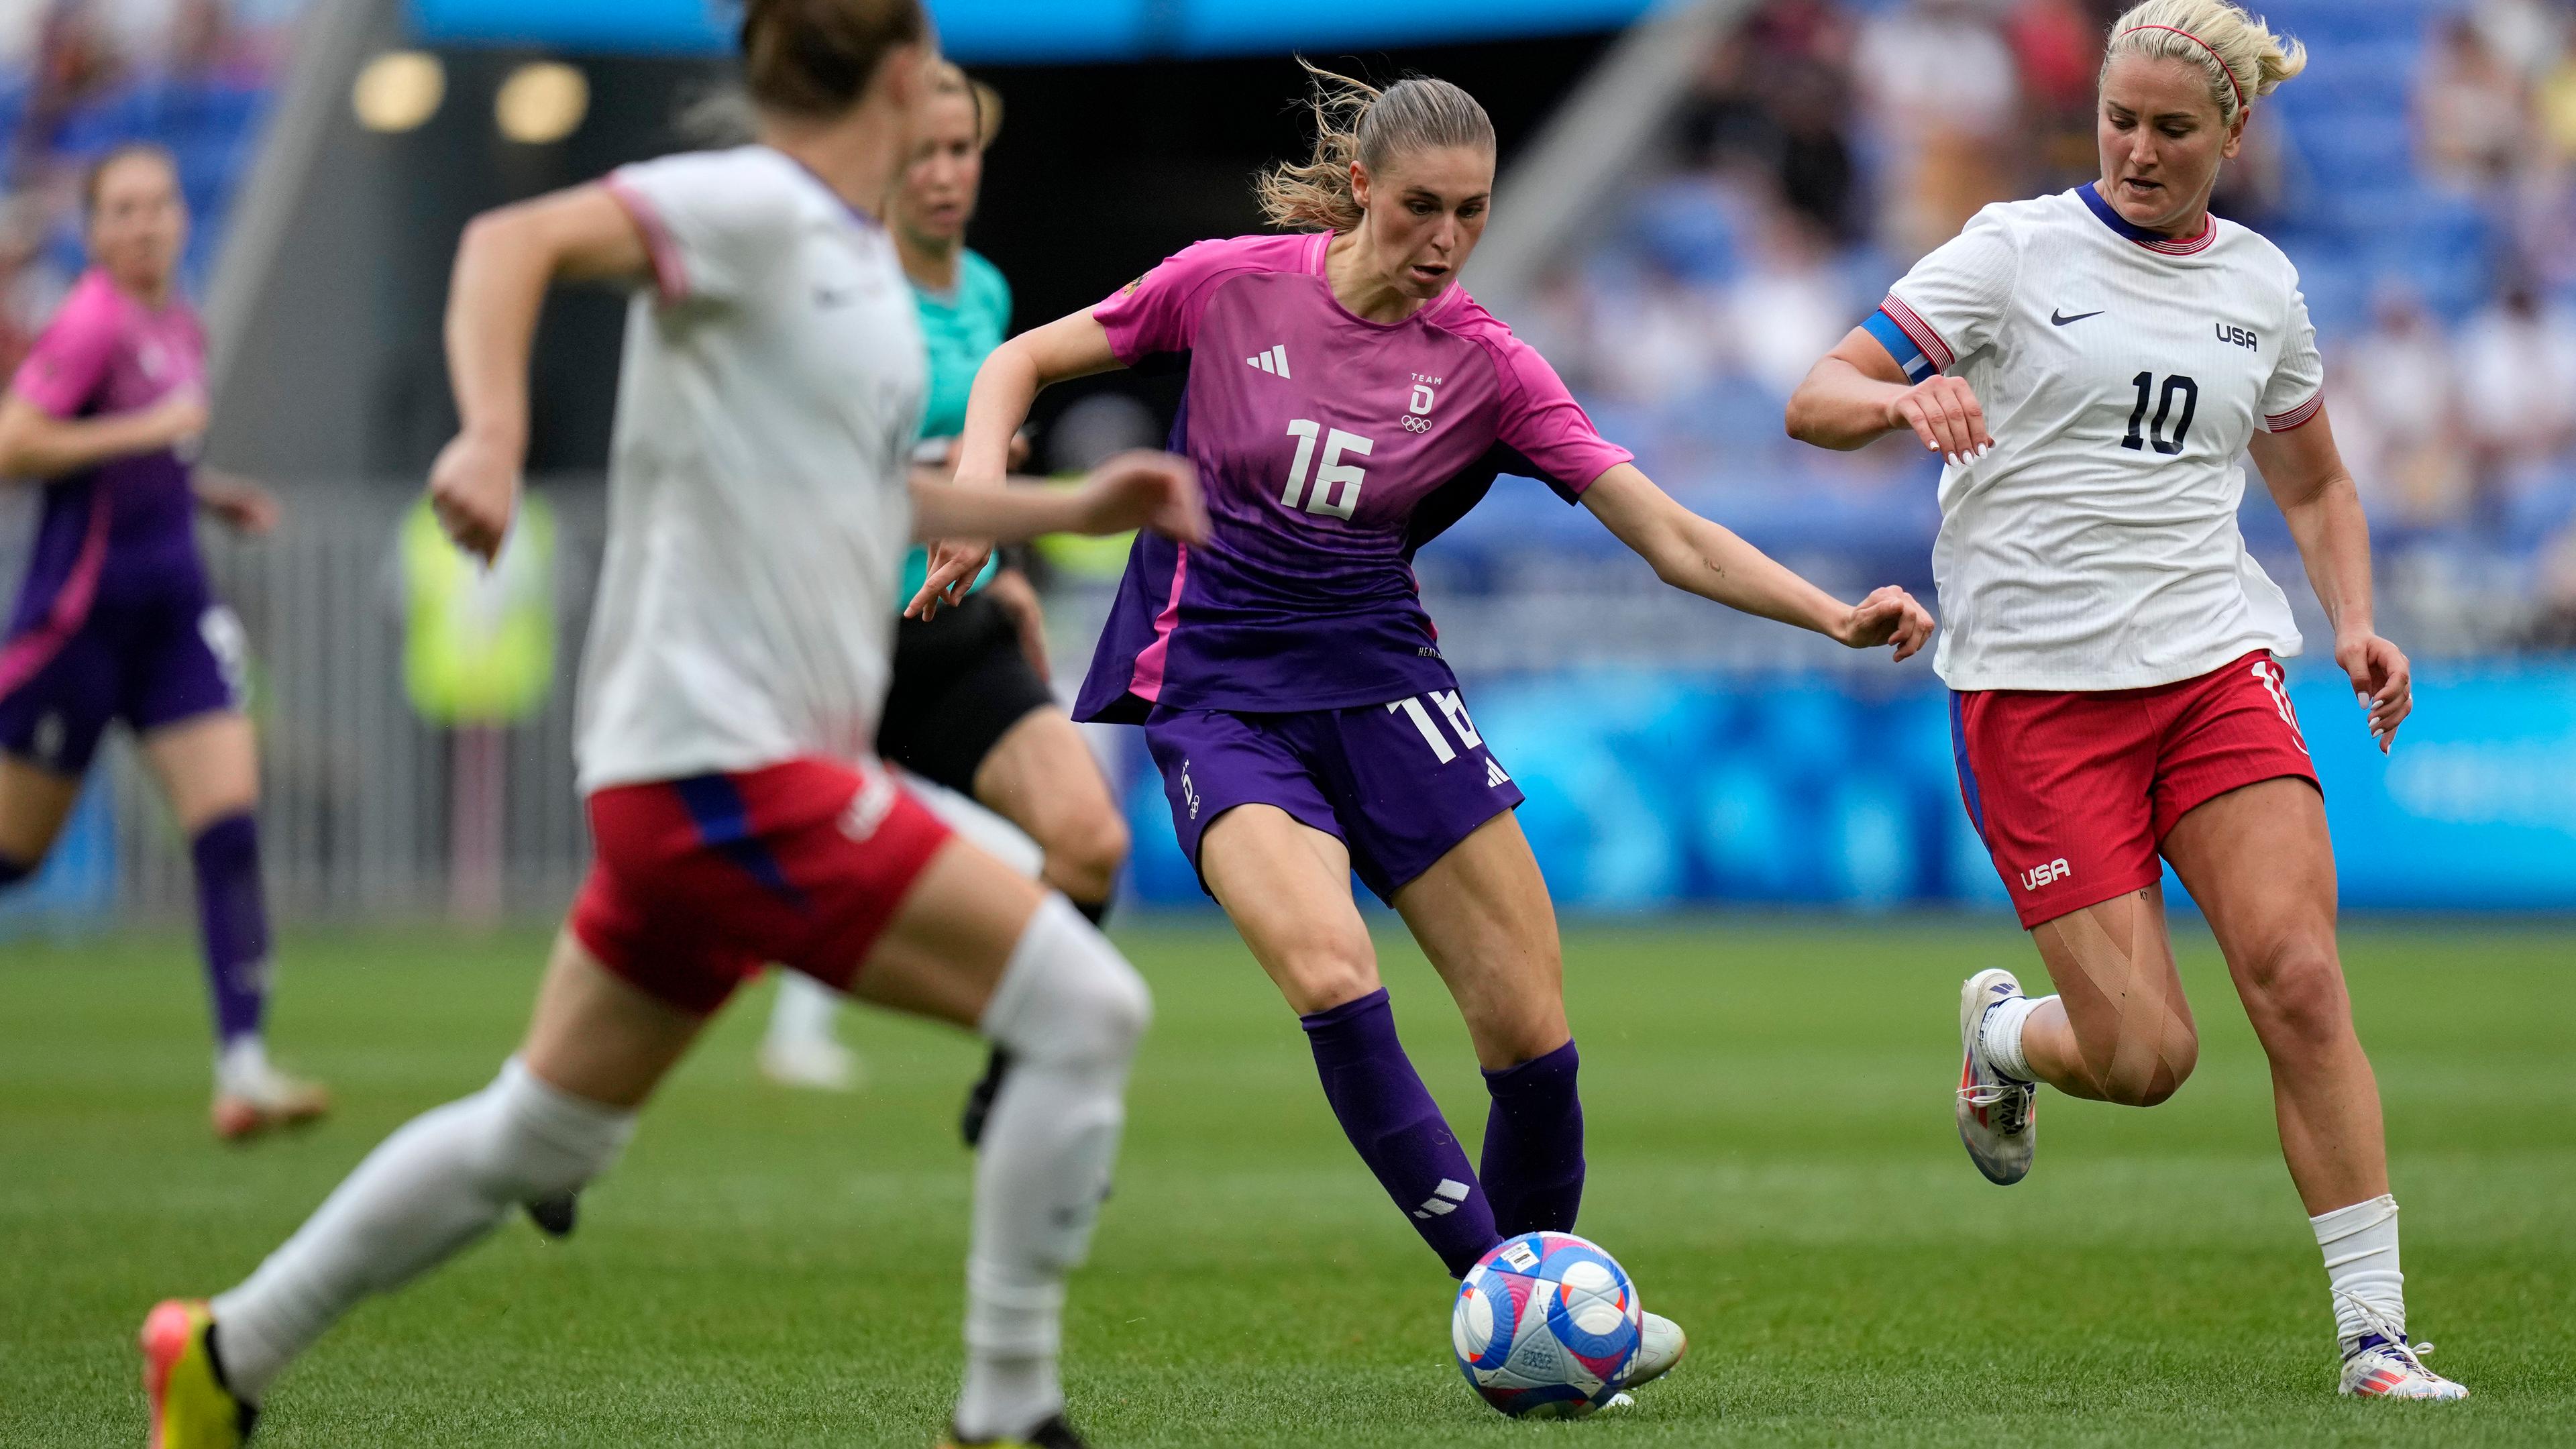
[(233, 920), (1534, 1144), (1390, 1117)]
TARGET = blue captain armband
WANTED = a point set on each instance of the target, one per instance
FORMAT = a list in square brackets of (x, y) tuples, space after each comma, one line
[(1909, 356)]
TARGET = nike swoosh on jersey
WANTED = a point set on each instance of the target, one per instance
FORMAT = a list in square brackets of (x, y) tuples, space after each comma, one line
[(2061, 319)]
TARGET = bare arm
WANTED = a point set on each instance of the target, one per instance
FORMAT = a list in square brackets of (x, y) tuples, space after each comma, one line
[(1132, 490), (1856, 395), (241, 503), (1005, 386), (1695, 555), (36, 444), (504, 264), (2308, 479)]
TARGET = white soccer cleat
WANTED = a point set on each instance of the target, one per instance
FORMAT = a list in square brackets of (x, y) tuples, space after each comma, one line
[(1998, 1116), (252, 1096), (816, 1063), (1659, 1348), (2383, 1365)]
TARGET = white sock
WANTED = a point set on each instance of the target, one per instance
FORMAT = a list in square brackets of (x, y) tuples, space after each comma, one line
[(806, 1009), (1071, 1011), (241, 1066), (437, 1184), (2360, 1244), (1999, 1039)]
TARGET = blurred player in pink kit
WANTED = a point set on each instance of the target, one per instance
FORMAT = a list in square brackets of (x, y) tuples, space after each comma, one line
[(108, 612), (1346, 403)]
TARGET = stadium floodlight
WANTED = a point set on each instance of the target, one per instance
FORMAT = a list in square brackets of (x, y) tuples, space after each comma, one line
[(399, 90), (542, 102)]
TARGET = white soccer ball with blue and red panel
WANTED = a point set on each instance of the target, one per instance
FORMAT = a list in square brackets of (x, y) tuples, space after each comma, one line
[(1547, 1326)]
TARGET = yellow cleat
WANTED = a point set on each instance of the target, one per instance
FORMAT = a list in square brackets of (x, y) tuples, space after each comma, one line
[(191, 1407)]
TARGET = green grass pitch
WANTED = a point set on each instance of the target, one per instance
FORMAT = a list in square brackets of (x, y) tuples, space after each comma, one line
[(1771, 1151)]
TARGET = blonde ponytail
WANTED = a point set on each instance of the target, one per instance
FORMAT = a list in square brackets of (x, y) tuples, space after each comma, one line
[(2238, 52), (1355, 121)]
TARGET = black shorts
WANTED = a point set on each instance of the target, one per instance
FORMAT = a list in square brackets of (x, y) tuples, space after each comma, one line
[(960, 683)]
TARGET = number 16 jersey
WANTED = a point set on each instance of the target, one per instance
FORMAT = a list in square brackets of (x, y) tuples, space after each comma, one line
[(2122, 374), (1330, 448)]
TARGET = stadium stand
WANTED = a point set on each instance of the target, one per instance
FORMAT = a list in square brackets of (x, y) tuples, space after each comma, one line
[(1828, 142)]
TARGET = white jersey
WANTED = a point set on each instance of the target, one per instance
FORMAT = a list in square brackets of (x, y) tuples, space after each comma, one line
[(758, 504), (2122, 374)]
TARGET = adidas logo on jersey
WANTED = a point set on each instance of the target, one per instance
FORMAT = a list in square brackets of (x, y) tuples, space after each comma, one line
[(1494, 773), (1275, 360)]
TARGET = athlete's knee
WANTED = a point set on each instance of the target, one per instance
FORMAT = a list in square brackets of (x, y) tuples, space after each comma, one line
[(1084, 854), (2146, 1062), (538, 1140), (2155, 1082), (1323, 968), (2294, 991), (1067, 996)]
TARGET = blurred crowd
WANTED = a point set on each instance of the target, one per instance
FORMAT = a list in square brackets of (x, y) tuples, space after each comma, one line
[(2423, 176), (77, 76)]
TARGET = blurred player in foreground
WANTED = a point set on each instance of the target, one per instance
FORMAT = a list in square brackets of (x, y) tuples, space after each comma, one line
[(2115, 650), (1346, 402), (109, 613), (771, 391), (970, 709)]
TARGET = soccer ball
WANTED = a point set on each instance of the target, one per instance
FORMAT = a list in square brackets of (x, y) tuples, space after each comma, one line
[(1546, 1326)]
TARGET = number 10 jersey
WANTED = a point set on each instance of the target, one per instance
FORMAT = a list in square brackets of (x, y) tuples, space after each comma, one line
[(1331, 448), (2122, 374)]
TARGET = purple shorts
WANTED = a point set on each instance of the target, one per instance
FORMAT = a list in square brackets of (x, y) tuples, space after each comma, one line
[(1400, 784), (148, 661)]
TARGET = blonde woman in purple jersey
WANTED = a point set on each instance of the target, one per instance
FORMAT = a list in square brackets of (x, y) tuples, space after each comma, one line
[(1346, 402)]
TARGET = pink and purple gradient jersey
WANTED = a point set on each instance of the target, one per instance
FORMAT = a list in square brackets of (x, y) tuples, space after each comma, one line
[(124, 530), (1330, 448)]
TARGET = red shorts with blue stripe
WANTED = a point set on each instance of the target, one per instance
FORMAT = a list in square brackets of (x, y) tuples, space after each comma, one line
[(2074, 792), (696, 884)]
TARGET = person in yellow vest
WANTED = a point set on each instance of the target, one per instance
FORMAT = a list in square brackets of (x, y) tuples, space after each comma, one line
[(479, 644)]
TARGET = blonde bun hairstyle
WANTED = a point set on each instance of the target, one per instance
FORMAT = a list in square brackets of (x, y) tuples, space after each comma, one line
[(2237, 51)]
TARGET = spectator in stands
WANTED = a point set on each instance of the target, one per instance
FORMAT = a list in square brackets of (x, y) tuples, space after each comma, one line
[(2553, 624), (2404, 438), (1654, 338), (2517, 372), (1788, 307), (1940, 84), (2527, 35), (2470, 115), (1775, 100), (2057, 51)]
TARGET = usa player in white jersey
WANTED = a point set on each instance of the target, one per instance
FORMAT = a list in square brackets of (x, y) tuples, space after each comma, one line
[(759, 509), (2092, 365)]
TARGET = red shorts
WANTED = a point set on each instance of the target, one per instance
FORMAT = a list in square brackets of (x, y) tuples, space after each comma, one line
[(698, 883), (2073, 792)]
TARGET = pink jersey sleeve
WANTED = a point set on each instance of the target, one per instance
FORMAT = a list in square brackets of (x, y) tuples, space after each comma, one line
[(71, 357), (1159, 312), (1543, 423)]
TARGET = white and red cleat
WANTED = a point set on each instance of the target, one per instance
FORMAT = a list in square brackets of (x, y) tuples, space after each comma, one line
[(252, 1103), (1998, 1115), (2381, 1364)]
